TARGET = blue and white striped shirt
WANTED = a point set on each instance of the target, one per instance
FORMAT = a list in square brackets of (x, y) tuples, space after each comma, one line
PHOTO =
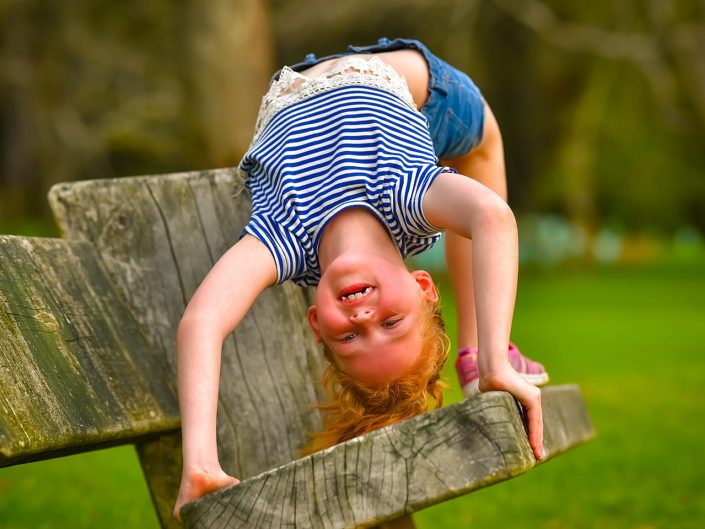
[(351, 146)]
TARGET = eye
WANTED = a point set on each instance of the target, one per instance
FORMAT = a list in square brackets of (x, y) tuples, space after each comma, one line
[(347, 337), (390, 323)]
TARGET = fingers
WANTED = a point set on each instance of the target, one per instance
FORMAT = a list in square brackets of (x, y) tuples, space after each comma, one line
[(529, 396), (177, 511), (534, 416)]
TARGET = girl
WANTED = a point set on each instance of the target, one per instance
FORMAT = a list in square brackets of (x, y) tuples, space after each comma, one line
[(345, 185)]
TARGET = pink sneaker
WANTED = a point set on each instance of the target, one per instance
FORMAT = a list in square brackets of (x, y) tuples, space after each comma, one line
[(469, 377)]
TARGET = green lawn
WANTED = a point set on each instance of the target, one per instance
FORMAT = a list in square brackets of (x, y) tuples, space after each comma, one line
[(633, 338)]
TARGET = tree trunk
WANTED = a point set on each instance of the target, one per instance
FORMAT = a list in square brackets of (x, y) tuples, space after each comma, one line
[(230, 67)]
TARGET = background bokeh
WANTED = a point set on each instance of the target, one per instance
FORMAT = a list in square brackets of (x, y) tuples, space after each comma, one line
[(602, 109)]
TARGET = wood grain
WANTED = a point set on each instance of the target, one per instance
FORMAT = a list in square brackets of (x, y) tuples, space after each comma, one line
[(158, 237), (399, 469), (154, 238), (75, 368)]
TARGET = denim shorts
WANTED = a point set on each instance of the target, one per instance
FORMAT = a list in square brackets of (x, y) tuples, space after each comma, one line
[(455, 108)]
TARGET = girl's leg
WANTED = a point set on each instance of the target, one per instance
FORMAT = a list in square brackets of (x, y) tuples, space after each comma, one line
[(484, 163)]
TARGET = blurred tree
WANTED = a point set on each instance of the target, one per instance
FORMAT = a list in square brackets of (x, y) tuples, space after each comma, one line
[(230, 66), (573, 181), (662, 42), (79, 91), (94, 89), (602, 104)]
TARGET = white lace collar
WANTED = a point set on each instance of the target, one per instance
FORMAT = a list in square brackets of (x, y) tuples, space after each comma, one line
[(292, 87)]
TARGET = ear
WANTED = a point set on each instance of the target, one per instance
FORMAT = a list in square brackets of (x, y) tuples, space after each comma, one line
[(426, 284), (312, 315)]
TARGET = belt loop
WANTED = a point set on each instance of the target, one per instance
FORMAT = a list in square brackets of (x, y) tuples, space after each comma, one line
[(310, 57), (383, 41)]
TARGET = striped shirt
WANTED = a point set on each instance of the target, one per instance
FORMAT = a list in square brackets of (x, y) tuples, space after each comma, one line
[(351, 146)]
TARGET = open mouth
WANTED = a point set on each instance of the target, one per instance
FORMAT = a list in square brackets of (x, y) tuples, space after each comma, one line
[(355, 292)]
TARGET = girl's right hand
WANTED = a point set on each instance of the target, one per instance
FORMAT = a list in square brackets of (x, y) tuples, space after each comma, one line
[(195, 484), (528, 395)]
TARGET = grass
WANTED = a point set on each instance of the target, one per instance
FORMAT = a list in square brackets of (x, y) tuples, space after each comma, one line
[(633, 338), (97, 490)]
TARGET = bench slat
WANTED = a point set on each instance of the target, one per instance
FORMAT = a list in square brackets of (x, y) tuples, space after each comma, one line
[(157, 237), (399, 469), (75, 370)]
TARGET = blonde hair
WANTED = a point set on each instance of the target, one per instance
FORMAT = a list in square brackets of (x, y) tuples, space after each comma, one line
[(355, 408)]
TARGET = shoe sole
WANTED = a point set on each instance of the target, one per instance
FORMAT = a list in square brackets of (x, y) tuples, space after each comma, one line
[(471, 389)]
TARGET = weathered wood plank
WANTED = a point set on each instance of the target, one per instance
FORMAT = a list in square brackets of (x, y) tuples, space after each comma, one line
[(399, 469), (75, 369), (158, 237), (161, 463)]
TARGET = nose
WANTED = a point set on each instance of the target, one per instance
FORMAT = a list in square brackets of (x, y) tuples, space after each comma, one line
[(361, 315)]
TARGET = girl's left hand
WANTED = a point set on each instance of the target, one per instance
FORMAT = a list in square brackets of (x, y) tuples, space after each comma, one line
[(528, 395)]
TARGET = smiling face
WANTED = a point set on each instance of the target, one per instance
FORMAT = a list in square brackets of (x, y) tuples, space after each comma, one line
[(369, 312)]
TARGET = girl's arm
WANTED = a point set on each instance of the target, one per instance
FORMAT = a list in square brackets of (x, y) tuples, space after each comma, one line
[(216, 308), (463, 206), (485, 164)]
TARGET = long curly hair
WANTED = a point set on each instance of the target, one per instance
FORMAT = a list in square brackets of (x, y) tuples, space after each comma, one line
[(354, 408)]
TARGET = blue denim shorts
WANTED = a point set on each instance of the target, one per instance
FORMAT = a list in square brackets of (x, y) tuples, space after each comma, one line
[(455, 108)]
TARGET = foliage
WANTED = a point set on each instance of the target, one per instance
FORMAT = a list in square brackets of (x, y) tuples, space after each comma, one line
[(602, 104)]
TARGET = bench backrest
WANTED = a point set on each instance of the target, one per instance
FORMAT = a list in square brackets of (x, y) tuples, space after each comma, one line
[(75, 368), (141, 246), (87, 359)]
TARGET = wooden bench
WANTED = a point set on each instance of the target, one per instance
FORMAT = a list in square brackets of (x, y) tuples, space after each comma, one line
[(87, 360)]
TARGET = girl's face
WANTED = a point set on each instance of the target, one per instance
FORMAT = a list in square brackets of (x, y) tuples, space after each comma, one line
[(370, 312)]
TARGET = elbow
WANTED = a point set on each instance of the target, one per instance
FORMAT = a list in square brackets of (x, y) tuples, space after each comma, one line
[(187, 327), (495, 216), (195, 324), (507, 215)]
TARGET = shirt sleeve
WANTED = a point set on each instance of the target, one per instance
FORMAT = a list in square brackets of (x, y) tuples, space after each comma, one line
[(288, 255), (410, 204)]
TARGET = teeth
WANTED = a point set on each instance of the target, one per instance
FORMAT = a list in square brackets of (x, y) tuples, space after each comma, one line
[(356, 295)]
